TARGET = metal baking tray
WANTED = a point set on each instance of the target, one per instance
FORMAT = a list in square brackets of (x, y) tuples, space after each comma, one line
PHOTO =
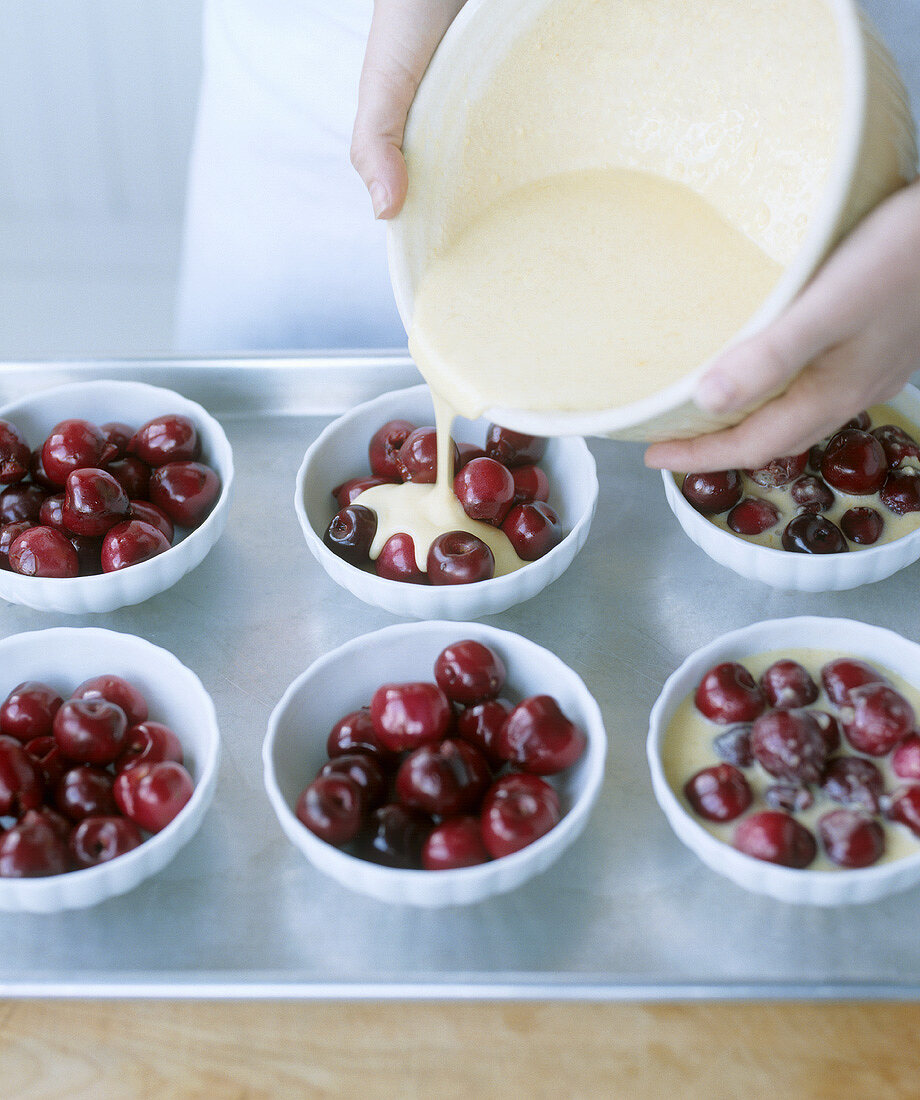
[(626, 913)]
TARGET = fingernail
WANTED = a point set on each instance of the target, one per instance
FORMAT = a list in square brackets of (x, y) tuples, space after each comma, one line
[(380, 197), (715, 393)]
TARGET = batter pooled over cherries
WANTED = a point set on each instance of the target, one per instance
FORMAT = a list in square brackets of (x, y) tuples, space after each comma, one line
[(810, 762), (854, 489)]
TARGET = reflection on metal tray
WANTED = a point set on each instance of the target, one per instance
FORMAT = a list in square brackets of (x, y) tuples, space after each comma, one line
[(627, 912)]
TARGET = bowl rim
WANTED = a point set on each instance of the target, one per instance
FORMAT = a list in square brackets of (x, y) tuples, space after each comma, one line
[(852, 49), (742, 643), (592, 762), (503, 583), (56, 638), (95, 582)]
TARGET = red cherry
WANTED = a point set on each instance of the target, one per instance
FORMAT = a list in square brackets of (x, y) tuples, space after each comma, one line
[(842, 674), (37, 471), (93, 502), (734, 746), (418, 457), (786, 684), (458, 557), (456, 842), (149, 743), (346, 492), (854, 781), (152, 795), (469, 672), (719, 793), (21, 501), (332, 807), (481, 725), (43, 552), (21, 779), (517, 810), (851, 839), (862, 525), (898, 445), (513, 448), (411, 714), (132, 475), (713, 493), (186, 491), (445, 778), (830, 730), (779, 471), (396, 560), (169, 438), (789, 797), (15, 455), (901, 492), (904, 807), (384, 448), (46, 752), (905, 760), (51, 513), (539, 738), (146, 512), (486, 490), (99, 839), (85, 791), (351, 533), (355, 733), (811, 494), (395, 836), (789, 745), (366, 771), (854, 462), (9, 532), (775, 837), (117, 690), (28, 710), (90, 731), (131, 543), (117, 433), (74, 445), (533, 529), (728, 694), (807, 533), (752, 516), (33, 848), (530, 483), (881, 718), (467, 452)]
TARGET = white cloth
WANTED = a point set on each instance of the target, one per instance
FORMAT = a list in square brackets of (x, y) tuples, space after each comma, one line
[(281, 249)]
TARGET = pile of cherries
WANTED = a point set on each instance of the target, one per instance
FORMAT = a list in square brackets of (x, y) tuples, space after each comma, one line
[(500, 484), (805, 751), (444, 774), (858, 460), (98, 498), (83, 780)]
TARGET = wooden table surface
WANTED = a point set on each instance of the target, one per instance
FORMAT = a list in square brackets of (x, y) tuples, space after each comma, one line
[(160, 1049)]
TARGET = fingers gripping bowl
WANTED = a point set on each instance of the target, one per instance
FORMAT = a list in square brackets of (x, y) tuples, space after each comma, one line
[(132, 404), (296, 743), (341, 451)]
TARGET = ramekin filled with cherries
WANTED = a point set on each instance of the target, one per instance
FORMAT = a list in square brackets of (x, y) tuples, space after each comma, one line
[(844, 513), (110, 491), (438, 763), (535, 497), (787, 756), (109, 750)]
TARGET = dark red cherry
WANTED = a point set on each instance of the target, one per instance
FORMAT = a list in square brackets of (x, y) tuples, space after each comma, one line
[(149, 743), (411, 714), (539, 738), (117, 433), (396, 560), (351, 533), (713, 493), (842, 674), (90, 731), (789, 797), (384, 448), (533, 529), (467, 452), (33, 848), (901, 491), (418, 456), (153, 794), (811, 534), (530, 483), (43, 552), (719, 793), (458, 557), (346, 492), (752, 516), (900, 448), (469, 672), (37, 471), (905, 760), (131, 543), (366, 771), (47, 754), (788, 684), (9, 532), (830, 730), (881, 718), (395, 836), (485, 488), (74, 444), (85, 791), (854, 462), (779, 471), (854, 781), (132, 475), (775, 837), (904, 807), (734, 746), (93, 503), (51, 513), (456, 842), (117, 690), (332, 807), (156, 517), (517, 810), (862, 525), (513, 448), (789, 745), (728, 694), (22, 784), (811, 494), (28, 710), (355, 732), (15, 455), (99, 839), (186, 491), (443, 779), (481, 725), (169, 438), (851, 839), (19, 502)]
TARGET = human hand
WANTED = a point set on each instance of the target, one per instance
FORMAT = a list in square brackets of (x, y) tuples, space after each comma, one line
[(851, 339), (403, 37)]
